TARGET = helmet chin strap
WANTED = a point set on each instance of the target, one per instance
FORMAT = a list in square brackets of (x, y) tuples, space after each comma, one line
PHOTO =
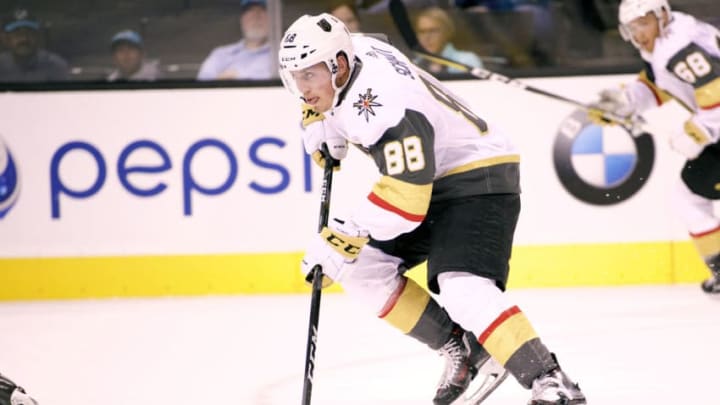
[(664, 24), (339, 89)]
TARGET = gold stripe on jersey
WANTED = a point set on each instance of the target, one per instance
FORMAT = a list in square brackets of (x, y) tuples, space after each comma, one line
[(708, 95), (476, 179), (661, 96), (507, 334), (404, 310), (707, 243), (410, 201), (496, 160)]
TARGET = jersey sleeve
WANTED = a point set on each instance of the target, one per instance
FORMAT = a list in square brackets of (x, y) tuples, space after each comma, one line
[(405, 157), (644, 93)]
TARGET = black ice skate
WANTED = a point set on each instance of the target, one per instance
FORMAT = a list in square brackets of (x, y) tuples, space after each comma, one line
[(470, 375), (712, 285), (11, 394), (556, 388), (19, 397), (459, 370)]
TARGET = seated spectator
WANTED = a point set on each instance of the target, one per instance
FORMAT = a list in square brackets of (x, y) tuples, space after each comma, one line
[(346, 11), (250, 58), (435, 30), (495, 5), (26, 60), (129, 58), (381, 6), (539, 52)]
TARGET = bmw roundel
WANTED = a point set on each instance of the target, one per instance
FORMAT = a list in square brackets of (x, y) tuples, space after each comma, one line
[(601, 165), (9, 180)]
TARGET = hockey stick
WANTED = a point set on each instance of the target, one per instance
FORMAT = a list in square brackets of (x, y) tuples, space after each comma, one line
[(317, 276), (402, 22)]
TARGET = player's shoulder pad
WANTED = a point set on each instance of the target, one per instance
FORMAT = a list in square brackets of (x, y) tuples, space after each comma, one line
[(369, 112), (374, 102), (684, 32)]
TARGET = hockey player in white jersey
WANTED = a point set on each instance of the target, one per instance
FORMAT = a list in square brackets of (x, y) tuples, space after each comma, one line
[(12, 394), (682, 62), (448, 192)]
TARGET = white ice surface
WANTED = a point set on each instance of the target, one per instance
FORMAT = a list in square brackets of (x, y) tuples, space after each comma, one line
[(655, 345)]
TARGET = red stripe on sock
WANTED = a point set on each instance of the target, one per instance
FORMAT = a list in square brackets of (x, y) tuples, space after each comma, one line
[(710, 107), (390, 304), (497, 322), (701, 234)]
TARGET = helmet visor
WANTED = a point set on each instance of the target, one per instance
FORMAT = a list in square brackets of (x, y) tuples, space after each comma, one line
[(643, 24)]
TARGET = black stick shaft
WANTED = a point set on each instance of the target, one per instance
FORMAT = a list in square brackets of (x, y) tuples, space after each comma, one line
[(311, 347), (312, 335)]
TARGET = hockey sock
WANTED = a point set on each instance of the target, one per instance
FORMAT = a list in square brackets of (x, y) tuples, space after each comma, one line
[(412, 310), (708, 246)]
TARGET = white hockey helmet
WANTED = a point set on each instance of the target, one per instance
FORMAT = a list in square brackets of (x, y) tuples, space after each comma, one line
[(629, 10), (312, 39)]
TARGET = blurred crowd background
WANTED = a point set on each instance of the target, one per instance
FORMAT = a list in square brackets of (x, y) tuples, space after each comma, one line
[(101, 41)]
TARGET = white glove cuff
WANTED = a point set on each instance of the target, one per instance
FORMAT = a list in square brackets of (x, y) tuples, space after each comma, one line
[(313, 136), (616, 101), (337, 146), (692, 139)]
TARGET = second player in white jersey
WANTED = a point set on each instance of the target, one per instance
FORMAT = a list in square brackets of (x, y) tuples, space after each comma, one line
[(682, 63)]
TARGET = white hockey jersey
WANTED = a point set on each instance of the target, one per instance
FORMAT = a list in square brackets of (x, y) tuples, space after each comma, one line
[(685, 66), (425, 141)]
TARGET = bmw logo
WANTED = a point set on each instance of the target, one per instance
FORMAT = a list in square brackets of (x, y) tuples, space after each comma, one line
[(9, 181), (601, 165)]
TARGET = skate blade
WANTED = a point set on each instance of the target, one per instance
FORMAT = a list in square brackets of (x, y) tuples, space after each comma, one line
[(488, 378)]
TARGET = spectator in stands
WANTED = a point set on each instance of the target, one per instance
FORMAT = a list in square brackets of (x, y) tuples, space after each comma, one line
[(381, 6), (250, 58), (128, 56), (347, 12), (539, 52), (435, 30), (26, 60)]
